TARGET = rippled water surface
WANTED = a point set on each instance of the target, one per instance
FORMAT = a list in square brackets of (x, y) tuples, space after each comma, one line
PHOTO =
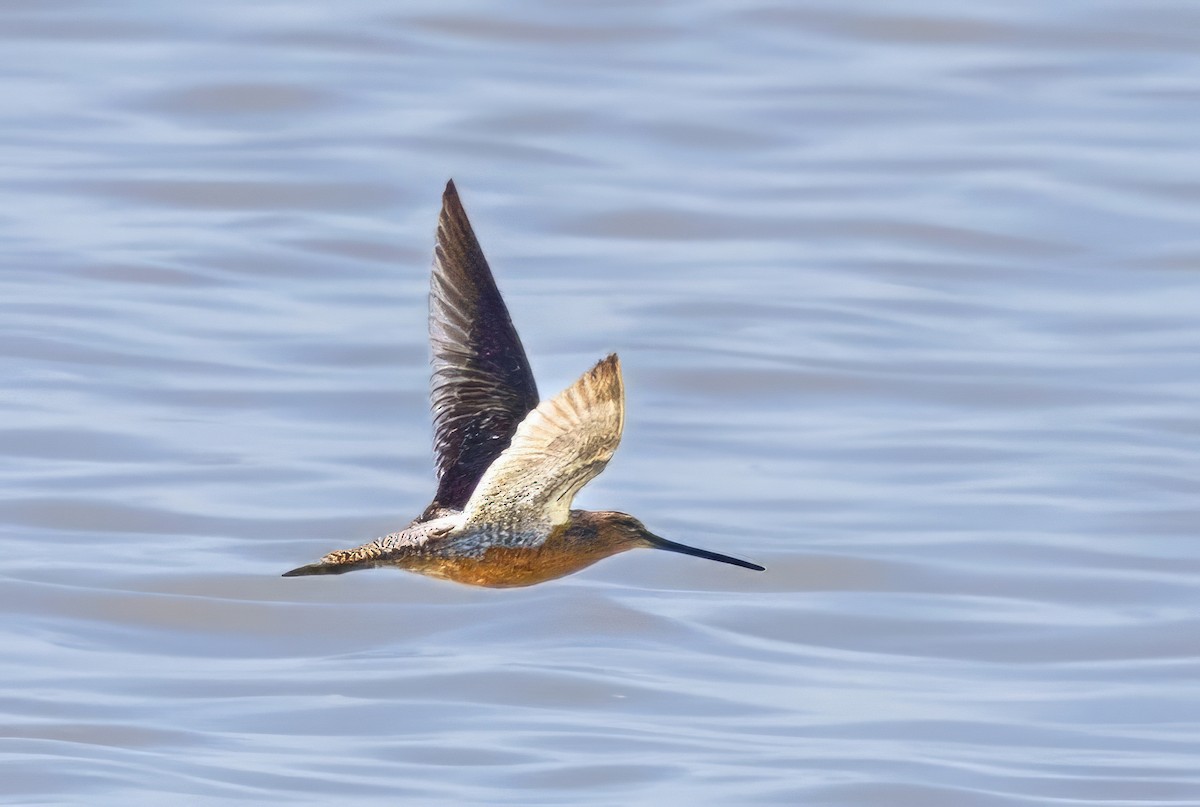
[(906, 298)]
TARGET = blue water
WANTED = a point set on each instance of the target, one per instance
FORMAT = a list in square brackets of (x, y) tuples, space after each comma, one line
[(906, 301)]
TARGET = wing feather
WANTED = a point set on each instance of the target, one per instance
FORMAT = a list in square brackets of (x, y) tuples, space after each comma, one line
[(559, 447), (482, 386)]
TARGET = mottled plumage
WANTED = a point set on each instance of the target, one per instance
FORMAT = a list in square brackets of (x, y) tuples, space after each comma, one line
[(508, 467)]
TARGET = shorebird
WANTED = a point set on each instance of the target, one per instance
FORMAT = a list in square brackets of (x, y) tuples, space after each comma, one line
[(508, 467)]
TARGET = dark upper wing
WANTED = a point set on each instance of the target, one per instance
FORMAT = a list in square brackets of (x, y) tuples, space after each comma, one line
[(482, 386)]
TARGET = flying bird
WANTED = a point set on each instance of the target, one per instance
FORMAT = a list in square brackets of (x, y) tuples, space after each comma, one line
[(508, 466)]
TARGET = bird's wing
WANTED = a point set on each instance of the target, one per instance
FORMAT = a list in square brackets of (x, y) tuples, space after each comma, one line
[(558, 448), (482, 386)]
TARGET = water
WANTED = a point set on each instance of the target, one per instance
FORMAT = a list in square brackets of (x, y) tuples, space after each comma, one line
[(906, 300)]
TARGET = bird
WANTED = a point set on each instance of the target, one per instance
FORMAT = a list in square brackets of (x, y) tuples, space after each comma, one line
[(508, 466)]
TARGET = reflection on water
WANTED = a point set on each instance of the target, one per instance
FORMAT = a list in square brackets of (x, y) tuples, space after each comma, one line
[(905, 301)]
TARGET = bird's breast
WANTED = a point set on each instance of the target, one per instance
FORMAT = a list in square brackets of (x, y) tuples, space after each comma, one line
[(502, 560)]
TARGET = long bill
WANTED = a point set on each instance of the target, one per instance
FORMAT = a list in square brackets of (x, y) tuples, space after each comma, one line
[(683, 549)]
